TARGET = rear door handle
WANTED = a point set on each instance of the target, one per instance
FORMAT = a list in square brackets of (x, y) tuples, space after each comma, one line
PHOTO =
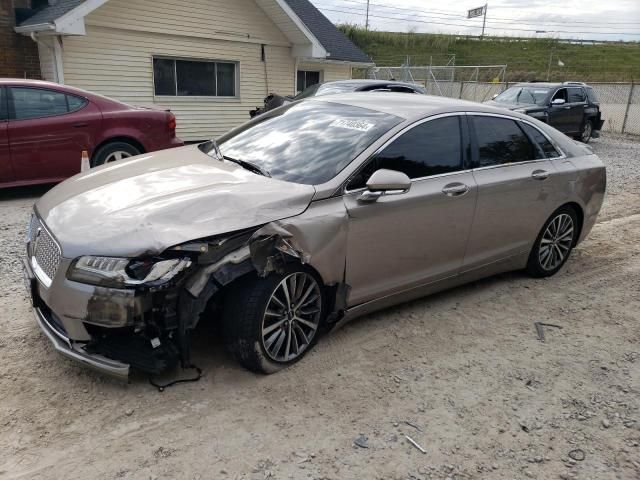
[(79, 125), (455, 189), (540, 174)]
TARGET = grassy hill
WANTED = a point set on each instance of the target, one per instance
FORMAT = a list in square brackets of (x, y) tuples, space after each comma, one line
[(526, 58)]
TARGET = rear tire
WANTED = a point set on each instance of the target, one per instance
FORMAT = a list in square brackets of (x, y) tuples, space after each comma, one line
[(266, 334), (587, 131), (112, 152), (554, 243)]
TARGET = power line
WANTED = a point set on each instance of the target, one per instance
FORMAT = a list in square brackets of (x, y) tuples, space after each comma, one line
[(430, 22), (493, 19)]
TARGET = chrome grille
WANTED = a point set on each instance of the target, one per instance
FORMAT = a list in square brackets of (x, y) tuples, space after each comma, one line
[(32, 227), (44, 250)]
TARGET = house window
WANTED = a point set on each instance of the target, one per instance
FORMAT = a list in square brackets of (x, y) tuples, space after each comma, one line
[(306, 78), (194, 78)]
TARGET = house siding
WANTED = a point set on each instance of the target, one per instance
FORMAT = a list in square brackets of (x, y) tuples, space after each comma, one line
[(47, 59), (330, 71), (115, 57)]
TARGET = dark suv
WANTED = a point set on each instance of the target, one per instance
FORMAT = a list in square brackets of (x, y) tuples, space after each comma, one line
[(571, 107)]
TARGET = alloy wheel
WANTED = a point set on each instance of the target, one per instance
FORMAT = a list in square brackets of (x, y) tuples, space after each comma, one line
[(117, 155), (556, 242), (586, 131), (292, 317)]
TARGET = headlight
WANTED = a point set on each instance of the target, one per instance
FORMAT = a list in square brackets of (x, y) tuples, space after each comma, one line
[(125, 272)]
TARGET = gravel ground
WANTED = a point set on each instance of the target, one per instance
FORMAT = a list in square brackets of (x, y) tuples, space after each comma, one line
[(462, 373)]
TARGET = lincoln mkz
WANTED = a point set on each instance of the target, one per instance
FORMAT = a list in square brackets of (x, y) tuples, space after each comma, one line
[(299, 220)]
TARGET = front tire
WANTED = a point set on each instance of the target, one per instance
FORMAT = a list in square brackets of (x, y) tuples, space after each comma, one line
[(554, 243), (271, 323)]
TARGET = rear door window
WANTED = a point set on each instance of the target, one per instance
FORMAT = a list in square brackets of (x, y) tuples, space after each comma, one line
[(4, 114), (576, 95), (545, 147), (37, 103), (501, 141), (75, 103), (431, 148)]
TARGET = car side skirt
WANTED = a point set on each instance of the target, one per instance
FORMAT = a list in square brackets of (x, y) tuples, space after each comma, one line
[(515, 262)]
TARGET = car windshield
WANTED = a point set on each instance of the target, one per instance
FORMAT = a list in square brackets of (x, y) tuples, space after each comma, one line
[(307, 92), (306, 142), (523, 95), (333, 88)]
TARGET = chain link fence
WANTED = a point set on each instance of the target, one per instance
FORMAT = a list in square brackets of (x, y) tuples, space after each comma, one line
[(619, 102)]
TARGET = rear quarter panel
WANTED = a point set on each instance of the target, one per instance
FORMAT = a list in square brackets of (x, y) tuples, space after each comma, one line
[(581, 180)]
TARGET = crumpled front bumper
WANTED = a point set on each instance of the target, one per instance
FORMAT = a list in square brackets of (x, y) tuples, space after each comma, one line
[(64, 345)]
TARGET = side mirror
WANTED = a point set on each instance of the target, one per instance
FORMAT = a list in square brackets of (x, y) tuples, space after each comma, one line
[(385, 182), (558, 101)]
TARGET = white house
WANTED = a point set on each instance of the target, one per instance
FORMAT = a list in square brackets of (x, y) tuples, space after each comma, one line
[(209, 61)]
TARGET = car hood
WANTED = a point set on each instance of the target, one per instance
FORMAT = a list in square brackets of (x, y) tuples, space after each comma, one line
[(513, 106), (148, 203)]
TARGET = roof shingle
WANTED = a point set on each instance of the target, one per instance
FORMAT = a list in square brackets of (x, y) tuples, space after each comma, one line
[(333, 40), (52, 12)]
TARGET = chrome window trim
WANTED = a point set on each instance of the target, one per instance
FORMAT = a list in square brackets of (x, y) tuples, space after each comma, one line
[(391, 140), (345, 191), (503, 165)]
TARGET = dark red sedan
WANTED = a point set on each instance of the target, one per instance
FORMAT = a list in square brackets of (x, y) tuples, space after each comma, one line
[(44, 127)]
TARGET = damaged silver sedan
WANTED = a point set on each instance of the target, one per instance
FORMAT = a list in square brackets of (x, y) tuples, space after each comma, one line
[(303, 218)]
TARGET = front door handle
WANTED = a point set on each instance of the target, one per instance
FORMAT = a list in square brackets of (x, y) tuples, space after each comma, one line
[(79, 125), (540, 174), (455, 189)]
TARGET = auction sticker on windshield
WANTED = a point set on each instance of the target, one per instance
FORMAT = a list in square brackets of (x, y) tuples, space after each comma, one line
[(360, 125)]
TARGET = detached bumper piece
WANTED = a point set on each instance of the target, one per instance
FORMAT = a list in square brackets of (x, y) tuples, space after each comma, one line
[(138, 352), (76, 351)]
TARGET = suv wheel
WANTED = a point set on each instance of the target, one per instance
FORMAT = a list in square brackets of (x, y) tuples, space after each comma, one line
[(587, 130)]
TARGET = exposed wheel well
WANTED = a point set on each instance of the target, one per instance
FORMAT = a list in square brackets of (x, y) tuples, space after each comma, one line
[(131, 141)]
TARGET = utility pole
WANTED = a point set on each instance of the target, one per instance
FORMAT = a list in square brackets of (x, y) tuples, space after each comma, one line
[(484, 20), (366, 22)]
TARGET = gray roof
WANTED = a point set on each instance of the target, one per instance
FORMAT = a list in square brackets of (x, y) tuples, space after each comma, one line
[(52, 12), (333, 40)]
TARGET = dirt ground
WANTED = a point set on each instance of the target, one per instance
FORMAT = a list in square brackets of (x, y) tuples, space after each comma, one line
[(462, 373)]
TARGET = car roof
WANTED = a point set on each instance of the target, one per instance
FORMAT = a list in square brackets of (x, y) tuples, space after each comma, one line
[(551, 84), (44, 84), (365, 81), (408, 106), (29, 82)]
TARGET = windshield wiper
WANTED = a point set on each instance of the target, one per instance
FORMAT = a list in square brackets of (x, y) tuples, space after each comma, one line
[(212, 149), (249, 166)]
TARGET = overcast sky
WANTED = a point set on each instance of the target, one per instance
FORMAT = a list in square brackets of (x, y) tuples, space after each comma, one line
[(584, 19)]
